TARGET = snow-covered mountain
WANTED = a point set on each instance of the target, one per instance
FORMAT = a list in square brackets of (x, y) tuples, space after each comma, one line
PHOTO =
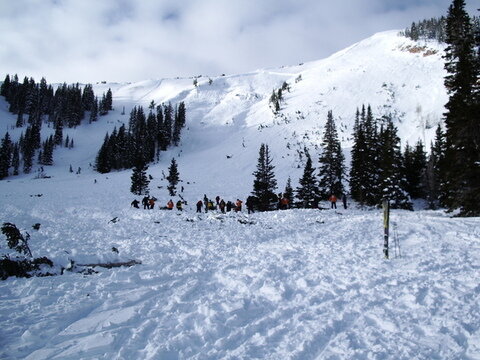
[(294, 284), (231, 115)]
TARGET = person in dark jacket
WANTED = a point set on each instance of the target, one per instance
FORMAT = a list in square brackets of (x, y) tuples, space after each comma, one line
[(250, 204), (145, 202), (199, 206), (221, 205), (135, 203), (179, 205)]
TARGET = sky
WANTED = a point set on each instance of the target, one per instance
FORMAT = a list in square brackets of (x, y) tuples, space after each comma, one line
[(89, 41)]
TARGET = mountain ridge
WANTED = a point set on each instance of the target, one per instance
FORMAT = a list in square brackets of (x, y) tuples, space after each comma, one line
[(228, 117)]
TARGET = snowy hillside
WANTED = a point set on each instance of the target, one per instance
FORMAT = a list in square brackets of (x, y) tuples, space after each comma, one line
[(294, 284), (232, 115)]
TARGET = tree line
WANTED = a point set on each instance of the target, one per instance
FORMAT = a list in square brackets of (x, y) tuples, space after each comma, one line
[(145, 137), (448, 177), (433, 29), (38, 103)]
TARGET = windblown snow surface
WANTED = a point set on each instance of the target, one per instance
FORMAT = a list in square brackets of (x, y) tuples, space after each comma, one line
[(293, 284)]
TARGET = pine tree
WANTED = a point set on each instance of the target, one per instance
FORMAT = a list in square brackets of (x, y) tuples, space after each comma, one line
[(179, 123), (331, 168), (391, 172), (16, 159), (47, 153), (103, 160), (109, 100), (58, 137), (415, 164), (139, 178), (6, 150), (288, 192), (462, 187), (265, 184), (173, 177), (307, 192), (88, 97), (357, 165), (94, 111), (434, 173)]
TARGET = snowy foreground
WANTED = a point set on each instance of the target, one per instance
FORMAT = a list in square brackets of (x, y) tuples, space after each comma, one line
[(295, 284)]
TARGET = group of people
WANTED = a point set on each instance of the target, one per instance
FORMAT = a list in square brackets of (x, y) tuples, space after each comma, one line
[(149, 203), (207, 204)]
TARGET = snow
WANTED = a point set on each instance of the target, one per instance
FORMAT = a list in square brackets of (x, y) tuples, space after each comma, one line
[(293, 284)]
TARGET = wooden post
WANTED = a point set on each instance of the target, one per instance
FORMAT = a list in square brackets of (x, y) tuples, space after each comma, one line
[(386, 220)]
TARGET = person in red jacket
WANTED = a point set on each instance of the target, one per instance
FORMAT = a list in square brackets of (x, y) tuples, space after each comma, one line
[(170, 205), (333, 201)]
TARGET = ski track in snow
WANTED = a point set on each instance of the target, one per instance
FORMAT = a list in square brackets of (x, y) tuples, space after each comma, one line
[(296, 284)]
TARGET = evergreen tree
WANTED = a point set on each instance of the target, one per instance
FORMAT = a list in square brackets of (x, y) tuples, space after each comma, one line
[(58, 137), (88, 97), (151, 136), (357, 164), (6, 150), (167, 125), (47, 152), (179, 123), (307, 192), (103, 160), (139, 178), (391, 173), (288, 192), (434, 173), (109, 100), (16, 159), (372, 183), (331, 168), (173, 177), (415, 164), (161, 141), (94, 111), (265, 184), (462, 185)]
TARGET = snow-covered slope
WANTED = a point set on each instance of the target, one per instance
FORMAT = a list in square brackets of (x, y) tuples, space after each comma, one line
[(231, 115), (295, 284)]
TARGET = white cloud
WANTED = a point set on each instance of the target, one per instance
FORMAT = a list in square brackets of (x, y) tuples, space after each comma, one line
[(129, 40)]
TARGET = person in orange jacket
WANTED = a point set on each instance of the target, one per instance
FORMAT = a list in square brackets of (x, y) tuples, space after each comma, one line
[(333, 201), (238, 205), (170, 205)]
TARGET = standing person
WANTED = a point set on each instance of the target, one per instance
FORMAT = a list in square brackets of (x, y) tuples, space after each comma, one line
[(222, 206), (229, 206), (179, 205), (344, 200), (199, 206), (284, 203), (217, 200), (205, 201), (238, 206), (145, 202), (151, 202), (170, 204), (250, 204), (135, 203), (333, 201)]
